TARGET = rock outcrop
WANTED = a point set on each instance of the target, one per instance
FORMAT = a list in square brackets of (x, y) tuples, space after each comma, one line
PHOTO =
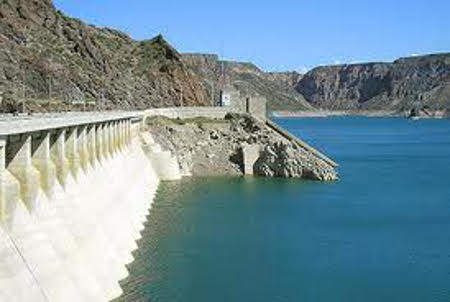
[(399, 86), (207, 147), (49, 61), (283, 159), (425, 112)]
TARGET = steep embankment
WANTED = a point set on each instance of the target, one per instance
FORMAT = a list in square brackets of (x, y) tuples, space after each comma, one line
[(406, 84), (51, 60), (248, 79)]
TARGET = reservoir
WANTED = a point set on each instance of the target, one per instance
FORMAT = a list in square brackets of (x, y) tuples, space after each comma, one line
[(381, 233)]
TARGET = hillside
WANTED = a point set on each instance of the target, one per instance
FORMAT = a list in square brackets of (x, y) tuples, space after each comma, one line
[(278, 88), (404, 85), (49, 61)]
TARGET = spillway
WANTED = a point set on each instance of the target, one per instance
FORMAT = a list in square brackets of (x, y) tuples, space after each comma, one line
[(73, 200)]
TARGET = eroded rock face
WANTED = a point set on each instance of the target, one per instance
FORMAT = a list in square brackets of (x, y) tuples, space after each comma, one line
[(214, 147), (285, 160), (400, 86)]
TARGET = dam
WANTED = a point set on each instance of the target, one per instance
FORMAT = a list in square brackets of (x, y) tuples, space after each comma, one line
[(75, 190), (65, 234)]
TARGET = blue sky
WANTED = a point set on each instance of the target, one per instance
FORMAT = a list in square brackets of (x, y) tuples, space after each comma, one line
[(281, 35)]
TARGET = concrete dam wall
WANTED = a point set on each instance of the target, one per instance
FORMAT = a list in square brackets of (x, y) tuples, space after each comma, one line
[(74, 194)]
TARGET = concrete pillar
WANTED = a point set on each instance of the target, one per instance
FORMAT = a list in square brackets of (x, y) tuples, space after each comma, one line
[(112, 137), (130, 127), (2, 173), (117, 127), (119, 134), (18, 162), (122, 134), (9, 189), (91, 137), (71, 149), (122, 130), (58, 155), (83, 150), (99, 142), (128, 131), (134, 129), (3, 195), (106, 140), (250, 154), (42, 161), (116, 135), (125, 123)]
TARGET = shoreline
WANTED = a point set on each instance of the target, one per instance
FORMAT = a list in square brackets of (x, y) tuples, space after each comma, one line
[(331, 113), (439, 114)]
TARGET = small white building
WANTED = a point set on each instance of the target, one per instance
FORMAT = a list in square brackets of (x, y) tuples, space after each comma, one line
[(225, 99)]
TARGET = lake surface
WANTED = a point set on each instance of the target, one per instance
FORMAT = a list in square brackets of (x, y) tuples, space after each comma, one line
[(382, 233)]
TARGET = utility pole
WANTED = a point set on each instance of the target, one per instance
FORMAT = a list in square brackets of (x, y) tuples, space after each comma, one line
[(102, 100), (23, 92), (181, 96), (211, 84), (23, 98), (49, 80), (212, 94)]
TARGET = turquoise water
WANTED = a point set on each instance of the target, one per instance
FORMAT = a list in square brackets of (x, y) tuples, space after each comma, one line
[(382, 233)]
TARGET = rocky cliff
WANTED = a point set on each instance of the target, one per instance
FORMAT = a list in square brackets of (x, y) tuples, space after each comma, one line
[(49, 61), (405, 84), (278, 88)]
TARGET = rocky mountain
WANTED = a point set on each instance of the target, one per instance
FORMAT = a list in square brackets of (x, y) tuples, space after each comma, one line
[(49, 61), (404, 85), (278, 88)]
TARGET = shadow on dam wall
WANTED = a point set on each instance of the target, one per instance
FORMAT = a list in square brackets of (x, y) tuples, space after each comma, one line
[(73, 201)]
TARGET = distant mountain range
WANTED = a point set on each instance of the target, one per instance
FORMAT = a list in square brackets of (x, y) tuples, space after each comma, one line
[(413, 83), (405, 84), (49, 61)]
